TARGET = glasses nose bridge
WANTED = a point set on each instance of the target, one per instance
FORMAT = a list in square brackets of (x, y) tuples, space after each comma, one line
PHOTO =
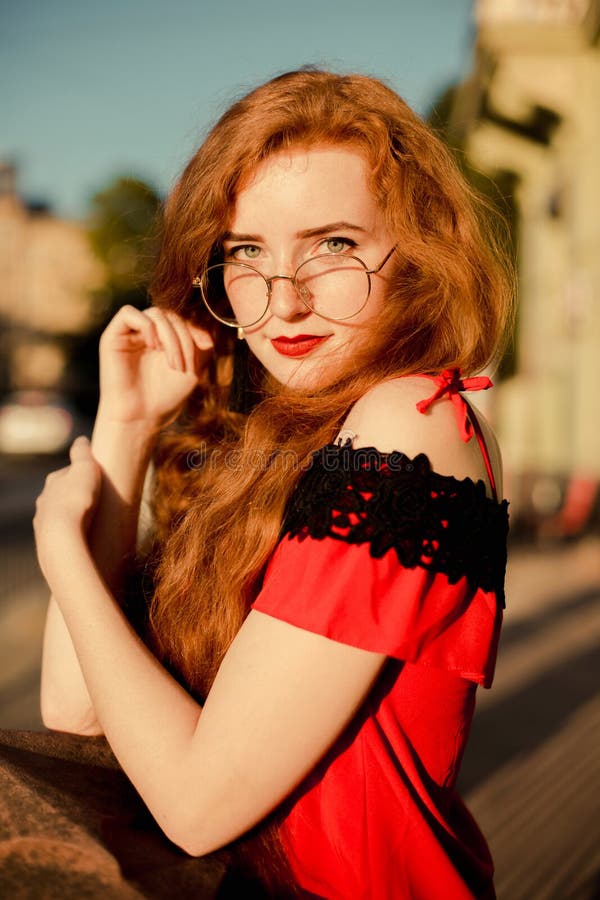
[(273, 278), (292, 278)]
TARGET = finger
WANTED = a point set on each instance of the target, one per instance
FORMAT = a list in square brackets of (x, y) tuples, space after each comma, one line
[(188, 347), (80, 449), (201, 337), (129, 319), (56, 474), (168, 337)]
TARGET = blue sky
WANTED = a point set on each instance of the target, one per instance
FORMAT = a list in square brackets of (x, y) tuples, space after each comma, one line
[(90, 90)]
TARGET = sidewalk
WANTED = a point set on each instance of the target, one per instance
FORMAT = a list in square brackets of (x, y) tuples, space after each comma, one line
[(531, 775)]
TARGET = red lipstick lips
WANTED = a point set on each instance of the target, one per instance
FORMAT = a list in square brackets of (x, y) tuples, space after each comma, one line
[(299, 345)]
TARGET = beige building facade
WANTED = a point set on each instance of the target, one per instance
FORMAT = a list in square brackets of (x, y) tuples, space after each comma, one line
[(531, 108), (48, 274)]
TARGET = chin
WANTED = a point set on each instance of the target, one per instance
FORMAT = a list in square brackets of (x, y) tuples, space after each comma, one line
[(309, 374), (309, 377)]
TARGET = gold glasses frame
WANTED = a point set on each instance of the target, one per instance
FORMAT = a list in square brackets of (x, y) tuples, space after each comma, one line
[(199, 280)]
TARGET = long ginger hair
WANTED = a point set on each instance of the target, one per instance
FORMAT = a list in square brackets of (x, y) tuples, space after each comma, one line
[(223, 477)]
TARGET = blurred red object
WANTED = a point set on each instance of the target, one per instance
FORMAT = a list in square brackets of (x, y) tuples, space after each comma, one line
[(579, 505)]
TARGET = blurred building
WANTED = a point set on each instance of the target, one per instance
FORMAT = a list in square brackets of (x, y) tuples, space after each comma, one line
[(530, 110), (47, 275)]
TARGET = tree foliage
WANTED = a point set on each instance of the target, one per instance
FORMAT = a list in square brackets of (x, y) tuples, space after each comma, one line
[(497, 188), (123, 232)]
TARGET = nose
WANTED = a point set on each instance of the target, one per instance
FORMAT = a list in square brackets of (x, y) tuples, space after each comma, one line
[(285, 302)]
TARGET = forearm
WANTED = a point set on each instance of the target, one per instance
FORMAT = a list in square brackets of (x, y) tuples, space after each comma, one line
[(148, 718), (64, 698), (281, 697), (123, 453)]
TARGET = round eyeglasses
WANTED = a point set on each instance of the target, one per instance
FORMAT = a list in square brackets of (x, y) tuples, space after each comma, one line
[(334, 286)]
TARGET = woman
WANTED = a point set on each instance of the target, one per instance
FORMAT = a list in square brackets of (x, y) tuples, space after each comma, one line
[(330, 545)]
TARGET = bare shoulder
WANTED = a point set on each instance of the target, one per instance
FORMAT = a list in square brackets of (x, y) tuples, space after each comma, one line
[(386, 417)]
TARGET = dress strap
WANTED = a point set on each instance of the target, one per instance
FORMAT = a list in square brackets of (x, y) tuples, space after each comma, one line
[(484, 450), (449, 383)]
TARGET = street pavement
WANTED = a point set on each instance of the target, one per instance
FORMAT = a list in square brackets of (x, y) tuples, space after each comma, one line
[(531, 773)]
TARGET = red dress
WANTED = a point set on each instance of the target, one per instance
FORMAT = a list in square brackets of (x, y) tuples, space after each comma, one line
[(382, 553)]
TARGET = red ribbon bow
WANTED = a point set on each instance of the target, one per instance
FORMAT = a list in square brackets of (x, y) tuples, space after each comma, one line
[(450, 382)]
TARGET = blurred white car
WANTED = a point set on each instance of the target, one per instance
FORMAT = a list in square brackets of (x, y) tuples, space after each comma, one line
[(35, 422)]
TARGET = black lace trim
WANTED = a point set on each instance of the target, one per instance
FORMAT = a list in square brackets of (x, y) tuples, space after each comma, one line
[(390, 501)]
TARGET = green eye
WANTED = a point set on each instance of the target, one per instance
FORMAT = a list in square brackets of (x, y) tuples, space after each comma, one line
[(242, 253), (339, 245)]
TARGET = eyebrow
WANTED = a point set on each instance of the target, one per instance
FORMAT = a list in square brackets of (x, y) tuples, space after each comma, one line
[(308, 233)]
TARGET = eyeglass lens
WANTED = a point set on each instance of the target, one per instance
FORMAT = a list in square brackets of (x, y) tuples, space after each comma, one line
[(333, 286)]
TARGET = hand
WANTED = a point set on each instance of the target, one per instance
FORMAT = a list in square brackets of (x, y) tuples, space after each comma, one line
[(65, 508), (150, 362)]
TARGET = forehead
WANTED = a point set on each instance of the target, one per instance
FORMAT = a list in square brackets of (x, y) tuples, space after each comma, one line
[(307, 187)]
